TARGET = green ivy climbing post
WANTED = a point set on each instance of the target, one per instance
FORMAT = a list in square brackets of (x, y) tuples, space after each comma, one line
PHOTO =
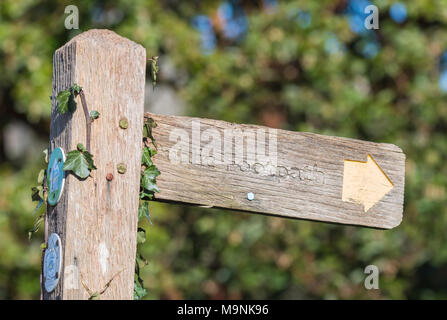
[(96, 217)]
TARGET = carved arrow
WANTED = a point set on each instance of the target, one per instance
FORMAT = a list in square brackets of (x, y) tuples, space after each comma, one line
[(364, 183)]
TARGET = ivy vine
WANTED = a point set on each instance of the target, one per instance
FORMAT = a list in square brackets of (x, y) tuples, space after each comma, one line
[(148, 187), (154, 70), (79, 161), (39, 194)]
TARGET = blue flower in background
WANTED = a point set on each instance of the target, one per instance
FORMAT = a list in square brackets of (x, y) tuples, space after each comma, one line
[(207, 36), (357, 7), (356, 24), (304, 19), (443, 81), (356, 15), (234, 20), (270, 5), (398, 12), (225, 11), (332, 45), (370, 49), (443, 61), (443, 69)]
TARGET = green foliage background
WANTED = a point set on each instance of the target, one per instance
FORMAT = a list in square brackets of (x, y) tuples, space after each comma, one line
[(280, 75)]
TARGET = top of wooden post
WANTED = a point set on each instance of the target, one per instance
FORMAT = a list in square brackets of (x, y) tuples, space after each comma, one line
[(104, 38)]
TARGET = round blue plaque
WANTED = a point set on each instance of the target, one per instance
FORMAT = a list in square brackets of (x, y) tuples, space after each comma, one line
[(52, 262), (55, 176)]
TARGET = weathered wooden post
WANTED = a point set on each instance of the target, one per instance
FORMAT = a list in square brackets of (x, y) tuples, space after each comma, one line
[(96, 218)]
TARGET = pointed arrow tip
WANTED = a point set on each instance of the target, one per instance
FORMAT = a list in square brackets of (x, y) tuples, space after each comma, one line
[(377, 183)]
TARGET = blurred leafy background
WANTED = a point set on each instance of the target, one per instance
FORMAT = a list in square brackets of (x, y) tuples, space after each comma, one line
[(296, 65)]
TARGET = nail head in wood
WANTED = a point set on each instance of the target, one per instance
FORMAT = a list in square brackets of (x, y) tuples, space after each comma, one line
[(124, 124), (121, 167)]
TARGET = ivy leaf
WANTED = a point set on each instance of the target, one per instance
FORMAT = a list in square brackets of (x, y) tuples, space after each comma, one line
[(81, 147), (154, 70), (137, 268), (148, 179), (45, 152), (80, 162), (141, 235), (37, 193), (38, 206), (71, 104), (149, 124), (94, 114), (36, 226), (146, 196), (138, 291), (146, 160), (76, 88), (150, 185), (65, 101), (77, 163), (40, 176), (140, 259), (62, 101), (147, 130), (152, 172), (143, 211), (88, 156)]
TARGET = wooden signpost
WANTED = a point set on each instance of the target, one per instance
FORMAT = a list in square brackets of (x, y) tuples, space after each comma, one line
[(202, 162)]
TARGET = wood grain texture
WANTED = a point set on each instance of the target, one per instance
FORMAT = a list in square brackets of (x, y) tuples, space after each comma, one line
[(97, 219), (306, 182)]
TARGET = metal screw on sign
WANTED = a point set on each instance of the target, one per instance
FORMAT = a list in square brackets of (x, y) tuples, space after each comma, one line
[(52, 262), (56, 176)]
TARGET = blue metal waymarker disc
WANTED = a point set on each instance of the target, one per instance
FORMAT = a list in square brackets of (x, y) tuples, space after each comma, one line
[(52, 262), (55, 176)]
